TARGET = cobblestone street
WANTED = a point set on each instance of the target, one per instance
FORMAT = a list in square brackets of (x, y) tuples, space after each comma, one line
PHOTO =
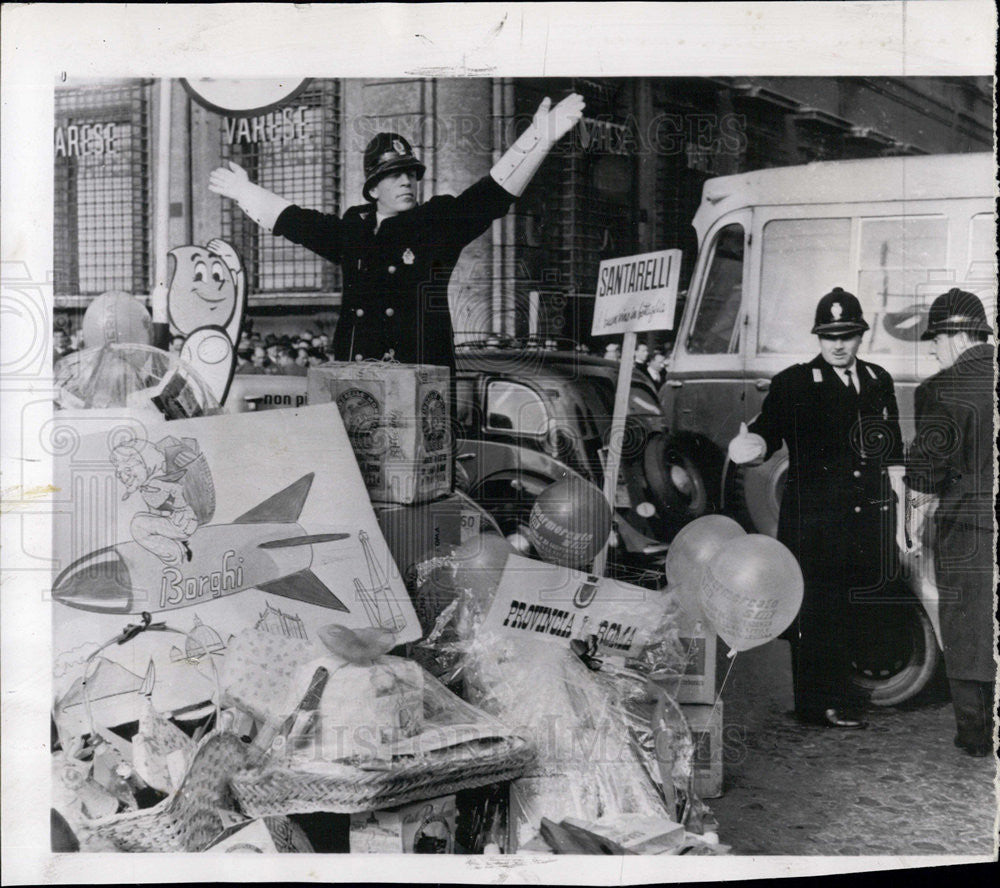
[(898, 788)]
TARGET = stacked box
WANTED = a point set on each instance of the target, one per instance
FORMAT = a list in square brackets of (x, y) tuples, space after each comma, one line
[(426, 827), (397, 418), (696, 682), (705, 723)]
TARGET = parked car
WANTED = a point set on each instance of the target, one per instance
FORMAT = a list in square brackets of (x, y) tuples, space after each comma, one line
[(527, 417), (896, 232)]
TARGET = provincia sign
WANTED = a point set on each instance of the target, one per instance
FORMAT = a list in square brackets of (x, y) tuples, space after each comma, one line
[(557, 604), (637, 293)]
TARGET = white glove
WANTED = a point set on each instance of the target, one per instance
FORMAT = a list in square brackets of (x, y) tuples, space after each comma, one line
[(554, 123), (521, 161), (258, 203), (747, 447)]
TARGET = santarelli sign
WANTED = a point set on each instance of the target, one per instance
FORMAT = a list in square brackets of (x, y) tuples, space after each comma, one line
[(637, 293)]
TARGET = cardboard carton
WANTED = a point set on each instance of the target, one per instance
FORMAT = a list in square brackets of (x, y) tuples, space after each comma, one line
[(705, 723), (426, 827), (398, 420), (695, 683)]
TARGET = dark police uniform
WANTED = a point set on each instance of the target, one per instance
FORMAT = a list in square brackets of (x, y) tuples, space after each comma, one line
[(836, 513), (396, 279), (952, 456)]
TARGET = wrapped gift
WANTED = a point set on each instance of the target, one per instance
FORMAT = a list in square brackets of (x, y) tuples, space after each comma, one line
[(397, 419), (339, 699)]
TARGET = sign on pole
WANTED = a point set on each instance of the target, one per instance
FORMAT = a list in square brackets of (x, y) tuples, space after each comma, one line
[(637, 293), (634, 294)]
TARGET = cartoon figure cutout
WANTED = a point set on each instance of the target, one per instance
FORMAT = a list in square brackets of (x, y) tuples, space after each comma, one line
[(205, 304), (174, 481)]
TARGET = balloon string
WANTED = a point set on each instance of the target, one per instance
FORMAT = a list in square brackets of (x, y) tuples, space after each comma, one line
[(718, 696)]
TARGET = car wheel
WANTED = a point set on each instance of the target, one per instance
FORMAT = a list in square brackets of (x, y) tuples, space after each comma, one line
[(901, 654), (675, 479)]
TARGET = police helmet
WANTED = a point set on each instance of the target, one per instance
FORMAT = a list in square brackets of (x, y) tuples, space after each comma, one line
[(839, 312), (954, 312), (388, 153)]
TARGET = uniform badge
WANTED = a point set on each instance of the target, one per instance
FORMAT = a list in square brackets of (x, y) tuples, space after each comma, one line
[(408, 257), (398, 146), (817, 374), (836, 310)]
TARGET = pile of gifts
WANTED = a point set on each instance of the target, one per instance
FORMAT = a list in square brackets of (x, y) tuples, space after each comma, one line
[(611, 686)]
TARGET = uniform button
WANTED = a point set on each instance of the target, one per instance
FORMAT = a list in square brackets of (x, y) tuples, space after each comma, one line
[(359, 357), (857, 473), (392, 269), (359, 312), (389, 312), (857, 508), (885, 508)]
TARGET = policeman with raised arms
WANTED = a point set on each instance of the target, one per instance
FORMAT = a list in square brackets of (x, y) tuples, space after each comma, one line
[(397, 255)]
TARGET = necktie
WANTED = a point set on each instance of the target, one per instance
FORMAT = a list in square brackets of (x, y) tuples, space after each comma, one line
[(853, 395)]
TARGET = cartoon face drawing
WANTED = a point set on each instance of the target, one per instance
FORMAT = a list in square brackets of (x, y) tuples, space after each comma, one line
[(205, 306), (203, 291)]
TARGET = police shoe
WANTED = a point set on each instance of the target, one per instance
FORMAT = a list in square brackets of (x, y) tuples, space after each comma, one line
[(833, 718)]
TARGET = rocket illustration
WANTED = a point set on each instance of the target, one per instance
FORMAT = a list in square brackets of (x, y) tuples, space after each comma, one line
[(263, 549)]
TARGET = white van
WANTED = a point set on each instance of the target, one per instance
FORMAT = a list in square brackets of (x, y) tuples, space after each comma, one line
[(896, 232)]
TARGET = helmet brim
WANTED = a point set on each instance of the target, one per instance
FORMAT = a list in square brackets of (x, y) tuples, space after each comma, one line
[(970, 326), (842, 327)]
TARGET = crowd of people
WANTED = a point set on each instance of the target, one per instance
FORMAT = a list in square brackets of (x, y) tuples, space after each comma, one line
[(651, 362)]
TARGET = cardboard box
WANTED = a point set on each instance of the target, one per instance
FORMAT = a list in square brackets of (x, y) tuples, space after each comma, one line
[(422, 828), (696, 683), (398, 420), (705, 723)]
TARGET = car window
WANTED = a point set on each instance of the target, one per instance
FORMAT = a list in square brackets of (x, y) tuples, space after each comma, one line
[(901, 261), (801, 259), (511, 406), (715, 330)]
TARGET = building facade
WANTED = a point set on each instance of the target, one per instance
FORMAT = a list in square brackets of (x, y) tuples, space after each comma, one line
[(628, 180)]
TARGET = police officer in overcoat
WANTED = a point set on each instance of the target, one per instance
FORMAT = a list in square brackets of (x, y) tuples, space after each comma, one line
[(397, 255), (952, 456), (838, 416)]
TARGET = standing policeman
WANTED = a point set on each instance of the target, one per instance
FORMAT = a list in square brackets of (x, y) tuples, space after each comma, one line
[(839, 418), (398, 255), (952, 456)]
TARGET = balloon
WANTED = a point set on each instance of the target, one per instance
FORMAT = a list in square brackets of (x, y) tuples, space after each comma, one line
[(751, 591), (116, 317), (692, 549), (570, 522)]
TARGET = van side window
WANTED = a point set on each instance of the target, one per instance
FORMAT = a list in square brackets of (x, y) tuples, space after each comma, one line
[(901, 263), (801, 259), (513, 407), (982, 247), (715, 331)]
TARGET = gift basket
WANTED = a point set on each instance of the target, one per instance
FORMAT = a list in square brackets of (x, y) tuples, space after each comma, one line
[(189, 776), (368, 730)]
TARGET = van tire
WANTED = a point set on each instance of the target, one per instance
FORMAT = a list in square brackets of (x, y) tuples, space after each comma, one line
[(904, 670), (753, 494)]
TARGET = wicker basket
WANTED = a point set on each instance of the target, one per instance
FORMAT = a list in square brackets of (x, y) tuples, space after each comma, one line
[(189, 819), (348, 789)]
